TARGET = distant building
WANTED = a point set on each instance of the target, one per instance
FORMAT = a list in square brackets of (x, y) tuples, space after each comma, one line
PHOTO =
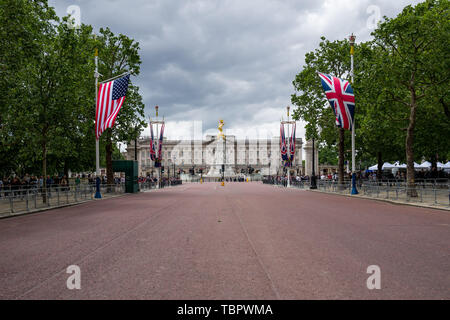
[(262, 155)]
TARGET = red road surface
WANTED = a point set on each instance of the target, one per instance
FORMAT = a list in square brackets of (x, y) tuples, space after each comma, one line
[(244, 241)]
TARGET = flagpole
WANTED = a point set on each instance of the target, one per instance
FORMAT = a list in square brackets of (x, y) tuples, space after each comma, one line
[(119, 76), (97, 143), (98, 195), (352, 51), (289, 156)]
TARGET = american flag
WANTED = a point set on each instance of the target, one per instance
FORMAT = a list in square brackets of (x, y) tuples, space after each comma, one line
[(283, 146), (292, 144), (111, 96), (340, 95)]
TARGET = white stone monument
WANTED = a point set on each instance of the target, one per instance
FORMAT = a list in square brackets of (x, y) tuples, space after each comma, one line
[(216, 154)]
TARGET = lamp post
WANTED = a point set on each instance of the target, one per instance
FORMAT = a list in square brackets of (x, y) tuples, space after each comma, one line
[(174, 160), (168, 170), (289, 162), (157, 142), (313, 173), (352, 51)]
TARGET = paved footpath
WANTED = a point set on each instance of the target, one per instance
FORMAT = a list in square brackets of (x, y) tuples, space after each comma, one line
[(241, 241)]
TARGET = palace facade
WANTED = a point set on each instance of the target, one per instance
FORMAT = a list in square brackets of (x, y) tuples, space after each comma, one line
[(261, 156)]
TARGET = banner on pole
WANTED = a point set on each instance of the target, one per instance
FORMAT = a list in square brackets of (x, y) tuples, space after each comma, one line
[(292, 144), (161, 137), (152, 144), (283, 146)]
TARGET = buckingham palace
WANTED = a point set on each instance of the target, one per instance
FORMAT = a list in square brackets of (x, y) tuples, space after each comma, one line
[(261, 156)]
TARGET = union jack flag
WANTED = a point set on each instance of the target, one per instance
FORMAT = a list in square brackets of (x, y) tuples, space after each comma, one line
[(152, 144), (292, 144), (283, 146), (161, 143), (340, 95)]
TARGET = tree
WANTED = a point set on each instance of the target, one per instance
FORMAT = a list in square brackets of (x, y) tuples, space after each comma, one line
[(414, 51), (312, 105), (20, 46), (117, 55), (379, 128)]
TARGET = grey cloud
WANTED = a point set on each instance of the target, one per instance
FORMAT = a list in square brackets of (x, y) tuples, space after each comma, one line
[(205, 60)]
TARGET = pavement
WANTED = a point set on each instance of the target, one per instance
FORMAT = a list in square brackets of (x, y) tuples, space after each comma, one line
[(241, 241)]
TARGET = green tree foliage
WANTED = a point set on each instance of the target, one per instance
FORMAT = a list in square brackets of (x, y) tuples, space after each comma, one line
[(414, 63), (119, 54), (47, 74), (401, 89), (331, 57)]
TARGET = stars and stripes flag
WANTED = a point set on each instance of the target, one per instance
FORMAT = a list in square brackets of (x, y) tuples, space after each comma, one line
[(111, 96), (161, 143), (342, 99), (283, 147), (292, 144), (152, 144)]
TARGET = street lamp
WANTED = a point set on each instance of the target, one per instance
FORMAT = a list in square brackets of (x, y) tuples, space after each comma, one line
[(289, 161), (169, 161), (174, 160), (157, 145), (313, 173)]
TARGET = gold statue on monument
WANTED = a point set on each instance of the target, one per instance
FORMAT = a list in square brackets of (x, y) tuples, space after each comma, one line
[(221, 134)]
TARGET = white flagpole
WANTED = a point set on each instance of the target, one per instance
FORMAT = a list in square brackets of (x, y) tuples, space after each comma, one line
[(352, 51), (97, 143), (289, 152), (119, 76), (353, 127)]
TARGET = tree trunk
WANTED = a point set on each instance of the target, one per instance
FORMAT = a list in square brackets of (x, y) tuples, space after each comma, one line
[(380, 166), (410, 146), (109, 148), (66, 169), (434, 160), (44, 170), (341, 156)]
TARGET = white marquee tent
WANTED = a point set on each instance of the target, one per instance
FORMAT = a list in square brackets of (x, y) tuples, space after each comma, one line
[(425, 165), (386, 166), (398, 165)]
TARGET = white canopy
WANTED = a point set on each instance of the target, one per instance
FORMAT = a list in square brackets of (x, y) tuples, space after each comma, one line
[(400, 165), (386, 165), (425, 165)]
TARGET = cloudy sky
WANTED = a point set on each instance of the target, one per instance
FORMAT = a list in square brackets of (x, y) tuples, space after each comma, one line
[(205, 60)]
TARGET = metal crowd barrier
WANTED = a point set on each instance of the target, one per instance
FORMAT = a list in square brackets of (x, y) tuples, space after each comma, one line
[(149, 185), (433, 192), (15, 200)]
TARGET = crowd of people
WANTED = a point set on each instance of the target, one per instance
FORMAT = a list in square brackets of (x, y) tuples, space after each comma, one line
[(28, 181), (360, 176), (21, 185), (164, 181)]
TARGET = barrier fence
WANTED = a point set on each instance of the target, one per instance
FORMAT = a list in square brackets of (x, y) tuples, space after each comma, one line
[(15, 200), (432, 191)]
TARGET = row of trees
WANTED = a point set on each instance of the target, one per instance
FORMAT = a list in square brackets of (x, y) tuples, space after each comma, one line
[(47, 105), (401, 90)]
